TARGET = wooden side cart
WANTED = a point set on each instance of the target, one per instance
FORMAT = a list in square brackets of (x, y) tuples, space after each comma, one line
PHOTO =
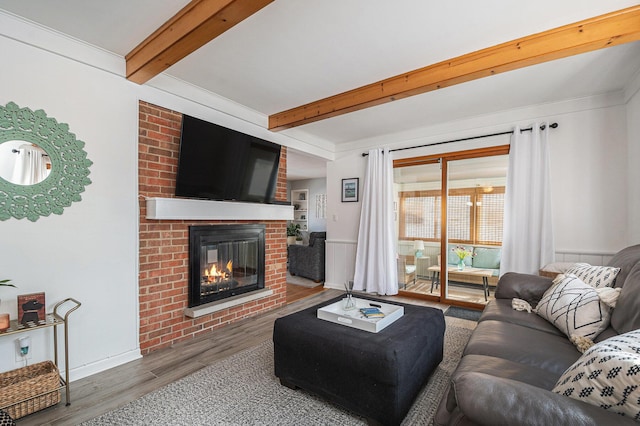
[(29, 389)]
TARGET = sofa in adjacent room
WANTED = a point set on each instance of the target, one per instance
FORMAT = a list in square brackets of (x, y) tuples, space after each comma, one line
[(483, 258), (308, 261), (524, 367)]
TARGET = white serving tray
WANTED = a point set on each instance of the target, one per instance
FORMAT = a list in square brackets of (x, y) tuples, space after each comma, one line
[(353, 318)]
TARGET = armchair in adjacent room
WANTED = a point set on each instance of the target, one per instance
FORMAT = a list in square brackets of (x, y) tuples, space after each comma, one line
[(308, 261), (406, 271)]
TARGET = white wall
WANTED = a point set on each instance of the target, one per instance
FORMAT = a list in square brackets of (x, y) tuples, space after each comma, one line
[(589, 180), (90, 252), (343, 219), (590, 174), (316, 187), (633, 191)]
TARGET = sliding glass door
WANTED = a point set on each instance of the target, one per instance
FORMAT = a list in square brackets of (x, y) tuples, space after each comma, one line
[(418, 212), (475, 211), (449, 248)]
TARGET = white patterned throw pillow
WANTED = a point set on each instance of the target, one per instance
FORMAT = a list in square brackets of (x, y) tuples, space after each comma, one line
[(574, 307), (607, 375), (595, 276)]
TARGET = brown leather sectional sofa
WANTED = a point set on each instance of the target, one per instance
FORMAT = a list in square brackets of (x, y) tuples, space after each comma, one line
[(514, 358)]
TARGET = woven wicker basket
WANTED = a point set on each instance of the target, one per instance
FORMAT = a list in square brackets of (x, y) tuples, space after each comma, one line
[(29, 389)]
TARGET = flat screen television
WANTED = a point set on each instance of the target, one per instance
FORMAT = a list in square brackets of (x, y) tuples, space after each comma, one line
[(217, 163)]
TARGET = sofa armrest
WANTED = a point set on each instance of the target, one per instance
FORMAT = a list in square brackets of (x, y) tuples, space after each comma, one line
[(522, 286), (488, 400)]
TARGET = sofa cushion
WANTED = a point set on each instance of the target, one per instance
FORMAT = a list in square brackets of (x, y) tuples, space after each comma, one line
[(522, 344), (595, 276), (487, 258), (316, 236), (626, 315), (608, 332), (522, 286), (574, 307), (625, 259), (501, 310), (500, 367), (489, 400), (607, 375)]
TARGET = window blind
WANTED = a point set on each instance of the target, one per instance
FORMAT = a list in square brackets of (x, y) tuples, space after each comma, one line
[(475, 215)]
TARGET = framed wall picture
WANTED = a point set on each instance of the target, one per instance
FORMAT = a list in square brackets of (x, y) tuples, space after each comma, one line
[(31, 308), (350, 190)]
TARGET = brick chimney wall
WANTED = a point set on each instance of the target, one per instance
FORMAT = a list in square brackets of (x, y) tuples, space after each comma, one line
[(164, 244)]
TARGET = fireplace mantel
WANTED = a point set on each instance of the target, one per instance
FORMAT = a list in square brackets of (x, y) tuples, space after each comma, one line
[(189, 209)]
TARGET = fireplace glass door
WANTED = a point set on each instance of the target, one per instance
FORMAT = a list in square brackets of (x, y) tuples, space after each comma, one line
[(225, 260), (228, 265)]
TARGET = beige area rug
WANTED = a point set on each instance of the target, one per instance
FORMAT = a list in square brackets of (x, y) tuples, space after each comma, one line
[(304, 282), (243, 390)]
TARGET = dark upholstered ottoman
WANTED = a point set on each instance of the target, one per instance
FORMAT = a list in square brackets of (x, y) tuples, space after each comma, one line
[(375, 375)]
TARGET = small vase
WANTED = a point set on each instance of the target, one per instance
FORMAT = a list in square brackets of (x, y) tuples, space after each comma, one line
[(348, 303), (461, 265)]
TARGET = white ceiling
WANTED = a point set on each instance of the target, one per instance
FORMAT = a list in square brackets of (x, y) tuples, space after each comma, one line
[(293, 52)]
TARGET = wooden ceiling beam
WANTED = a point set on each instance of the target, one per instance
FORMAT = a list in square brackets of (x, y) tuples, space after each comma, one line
[(195, 25), (607, 30)]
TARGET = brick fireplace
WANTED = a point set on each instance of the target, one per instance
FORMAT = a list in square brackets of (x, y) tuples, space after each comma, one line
[(164, 244)]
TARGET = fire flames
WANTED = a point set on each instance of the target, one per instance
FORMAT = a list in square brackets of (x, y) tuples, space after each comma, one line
[(214, 274)]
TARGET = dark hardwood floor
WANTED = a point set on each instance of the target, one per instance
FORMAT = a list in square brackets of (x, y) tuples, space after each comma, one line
[(297, 292), (108, 390)]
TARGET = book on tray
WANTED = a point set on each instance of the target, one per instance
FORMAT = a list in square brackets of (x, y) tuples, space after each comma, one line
[(372, 312)]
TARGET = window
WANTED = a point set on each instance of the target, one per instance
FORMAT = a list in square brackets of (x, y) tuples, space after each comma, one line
[(420, 215), (490, 216), (475, 215)]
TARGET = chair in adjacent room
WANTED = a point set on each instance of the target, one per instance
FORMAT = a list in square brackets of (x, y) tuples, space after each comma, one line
[(406, 271), (308, 261)]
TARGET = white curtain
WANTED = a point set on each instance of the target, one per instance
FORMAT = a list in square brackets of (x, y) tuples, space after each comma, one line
[(528, 235), (376, 255), (30, 166)]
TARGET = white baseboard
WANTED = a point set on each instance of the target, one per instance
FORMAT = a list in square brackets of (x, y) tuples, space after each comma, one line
[(102, 365)]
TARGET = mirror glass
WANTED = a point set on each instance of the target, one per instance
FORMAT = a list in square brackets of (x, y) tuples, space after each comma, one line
[(23, 163), (43, 166)]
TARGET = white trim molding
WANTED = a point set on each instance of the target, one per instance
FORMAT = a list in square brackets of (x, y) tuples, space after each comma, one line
[(340, 262), (586, 256)]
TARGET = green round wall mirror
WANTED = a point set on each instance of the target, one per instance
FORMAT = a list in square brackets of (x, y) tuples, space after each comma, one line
[(43, 167)]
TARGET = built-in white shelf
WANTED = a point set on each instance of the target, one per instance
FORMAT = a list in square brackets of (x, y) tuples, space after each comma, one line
[(188, 209), (300, 201)]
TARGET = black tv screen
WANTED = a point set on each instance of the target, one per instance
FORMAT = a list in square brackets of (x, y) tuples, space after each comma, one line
[(218, 163)]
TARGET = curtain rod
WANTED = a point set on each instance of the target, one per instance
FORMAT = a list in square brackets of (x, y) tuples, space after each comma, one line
[(16, 151), (542, 127)]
